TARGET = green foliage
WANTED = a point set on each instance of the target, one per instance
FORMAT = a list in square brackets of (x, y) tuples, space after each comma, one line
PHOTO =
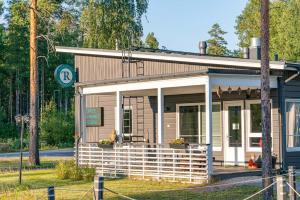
[(69, 170), (56, 127), (178, 141), (105, 22), (63, 169), (88, 174), (217, 43), (151, 41), (284, 23)]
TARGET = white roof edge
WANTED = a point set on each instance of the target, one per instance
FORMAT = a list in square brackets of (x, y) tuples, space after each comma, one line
[(166, 57)]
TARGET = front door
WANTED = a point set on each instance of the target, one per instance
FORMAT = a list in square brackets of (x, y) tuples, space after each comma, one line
[(234, 148)]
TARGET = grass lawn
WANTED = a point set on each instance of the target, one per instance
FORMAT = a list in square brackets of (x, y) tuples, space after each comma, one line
[(35, 184), (6, 164)]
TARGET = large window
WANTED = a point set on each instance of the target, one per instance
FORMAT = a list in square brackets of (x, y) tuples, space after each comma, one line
[(192, 124), (293, 124), (188, 122), (254, 127)]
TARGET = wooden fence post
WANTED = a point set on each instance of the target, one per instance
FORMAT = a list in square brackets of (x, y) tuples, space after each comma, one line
[(280, 187), (98, 187), (292, 183), (51, 193)]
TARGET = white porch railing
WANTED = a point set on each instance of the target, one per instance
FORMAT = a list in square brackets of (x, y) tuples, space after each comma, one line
[(187, 165)]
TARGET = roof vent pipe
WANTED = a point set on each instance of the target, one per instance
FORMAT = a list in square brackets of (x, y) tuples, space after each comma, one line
[(202, 47), (276, 57), (255, 49), (245, 52)]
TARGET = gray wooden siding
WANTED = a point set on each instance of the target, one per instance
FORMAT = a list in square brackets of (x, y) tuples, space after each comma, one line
[(291, 91), (93, 68)]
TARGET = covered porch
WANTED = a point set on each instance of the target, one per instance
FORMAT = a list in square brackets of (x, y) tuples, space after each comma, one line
[(232, 147)]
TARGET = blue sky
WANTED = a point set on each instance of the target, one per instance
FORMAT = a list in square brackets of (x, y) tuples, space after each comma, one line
[(181, 24)]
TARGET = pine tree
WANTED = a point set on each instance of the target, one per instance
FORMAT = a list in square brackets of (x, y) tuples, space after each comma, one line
[(217, 43), (151, 41)]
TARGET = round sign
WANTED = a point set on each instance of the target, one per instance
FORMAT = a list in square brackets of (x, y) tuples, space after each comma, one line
[(65, 75)]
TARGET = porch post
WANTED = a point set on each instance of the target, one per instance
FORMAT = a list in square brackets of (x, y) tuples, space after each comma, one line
[(119, 115), (208, 113), (82, 117), (160, 115)]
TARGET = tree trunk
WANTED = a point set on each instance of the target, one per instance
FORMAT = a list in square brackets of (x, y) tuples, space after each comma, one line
[(11, 98), (265, 102), (33, 141)]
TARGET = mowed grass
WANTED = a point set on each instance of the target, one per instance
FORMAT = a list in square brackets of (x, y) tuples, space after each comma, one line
[(35, 185), (7, 164)]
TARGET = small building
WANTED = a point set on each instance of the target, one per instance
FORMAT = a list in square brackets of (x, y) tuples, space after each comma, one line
[(151, 98)]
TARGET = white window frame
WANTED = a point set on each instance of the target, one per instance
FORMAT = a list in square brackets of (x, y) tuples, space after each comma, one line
[(248, 126), (128, 108), (199, 122), (290, 149)]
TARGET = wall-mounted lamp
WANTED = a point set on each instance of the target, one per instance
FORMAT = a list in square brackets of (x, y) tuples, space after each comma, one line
[(239, 91), (229, 90)]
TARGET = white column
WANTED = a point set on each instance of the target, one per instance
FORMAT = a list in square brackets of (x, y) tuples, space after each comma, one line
[(208, 113), (160, 115), (119, 116), (82, 118)]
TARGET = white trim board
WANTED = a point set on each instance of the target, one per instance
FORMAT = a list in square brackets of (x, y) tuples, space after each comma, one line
[(175, 58), (215, 80)]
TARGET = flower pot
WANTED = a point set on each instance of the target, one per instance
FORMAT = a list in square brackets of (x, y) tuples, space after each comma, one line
[(106, 146), (179, 146)]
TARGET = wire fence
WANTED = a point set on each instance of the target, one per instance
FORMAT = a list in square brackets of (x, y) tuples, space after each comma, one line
[(244, 189)]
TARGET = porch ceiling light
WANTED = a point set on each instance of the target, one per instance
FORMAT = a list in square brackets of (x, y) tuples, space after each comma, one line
[(258, 91), (229, 90), (219, 92), (239, 91), (248, 91)]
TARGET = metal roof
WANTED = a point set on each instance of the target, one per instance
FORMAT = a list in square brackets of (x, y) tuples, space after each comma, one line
[(177, 56)]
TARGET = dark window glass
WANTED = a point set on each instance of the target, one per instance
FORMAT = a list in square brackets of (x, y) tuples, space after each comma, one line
[(188, 122), (255, 116), (234, 126), (255, 142), (127, 121)]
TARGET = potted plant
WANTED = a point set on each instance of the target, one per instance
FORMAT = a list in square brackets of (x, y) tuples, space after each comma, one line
[(178, 144), (106, 144)]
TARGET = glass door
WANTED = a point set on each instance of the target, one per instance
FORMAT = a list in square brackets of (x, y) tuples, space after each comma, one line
[(234, 152)]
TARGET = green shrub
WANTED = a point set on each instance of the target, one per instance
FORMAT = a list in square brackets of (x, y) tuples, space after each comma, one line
[(76, 173), (63, 169), (69, 170), (88, 173)]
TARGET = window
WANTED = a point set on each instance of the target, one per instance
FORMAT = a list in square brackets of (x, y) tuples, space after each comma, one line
[(188, 123), (254, 126), (192, 123), (293, 124), (127, 122), (255, 118), (216, 125)]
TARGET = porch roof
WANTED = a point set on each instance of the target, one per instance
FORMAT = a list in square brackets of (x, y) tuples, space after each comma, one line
[(188, 80)]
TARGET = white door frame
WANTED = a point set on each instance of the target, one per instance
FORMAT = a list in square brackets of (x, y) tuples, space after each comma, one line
[(239, 152)]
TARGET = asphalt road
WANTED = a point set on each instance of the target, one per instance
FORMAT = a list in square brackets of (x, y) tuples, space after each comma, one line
[(49, 153)]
